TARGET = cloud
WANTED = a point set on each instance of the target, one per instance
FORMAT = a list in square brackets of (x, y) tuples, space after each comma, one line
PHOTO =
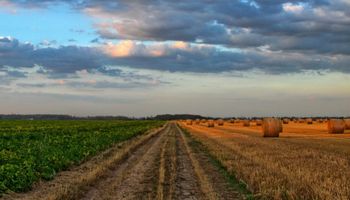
[(309, 26), (92, 84), (295, 8), (177, 56), (72, 40), (16, 74), (129, 48), (225, 22), (48, 43), (96, 40), (122, 49), (8, 6), (60, 60)]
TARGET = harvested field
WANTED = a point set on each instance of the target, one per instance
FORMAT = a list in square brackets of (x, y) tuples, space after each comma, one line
[(305, 162)]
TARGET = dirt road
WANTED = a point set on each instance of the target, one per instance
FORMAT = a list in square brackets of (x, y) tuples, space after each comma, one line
[(163, 168), (158, 165)]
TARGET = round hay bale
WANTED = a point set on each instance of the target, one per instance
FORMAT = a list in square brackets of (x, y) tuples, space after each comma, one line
[(220, 122), (309, 121), (189, 122), (301, 121), (271, 127), (285, 121), (232, 121), (336, 126), (246, 123), (258, 122), (281, 125), (347, 124), (197, 121), (210, 123)]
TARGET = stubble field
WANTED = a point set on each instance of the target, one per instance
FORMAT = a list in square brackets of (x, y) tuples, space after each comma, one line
[(305, 162)]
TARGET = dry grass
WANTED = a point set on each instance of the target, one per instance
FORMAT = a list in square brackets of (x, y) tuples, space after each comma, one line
[(304, 163)]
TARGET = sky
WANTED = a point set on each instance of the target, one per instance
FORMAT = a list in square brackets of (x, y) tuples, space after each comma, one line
[(221, 58)]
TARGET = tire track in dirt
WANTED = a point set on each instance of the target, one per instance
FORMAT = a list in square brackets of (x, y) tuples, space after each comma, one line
[(187, 183), (135, 178), (161, 181), (170, 166)]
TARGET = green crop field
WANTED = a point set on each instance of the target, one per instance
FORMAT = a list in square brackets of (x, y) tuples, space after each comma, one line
[(33, 150)]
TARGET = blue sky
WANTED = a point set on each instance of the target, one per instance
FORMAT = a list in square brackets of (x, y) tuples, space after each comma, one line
[(57, 23), (218, 58)]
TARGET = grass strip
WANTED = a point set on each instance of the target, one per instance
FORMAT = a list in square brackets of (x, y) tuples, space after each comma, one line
[(236, 184)]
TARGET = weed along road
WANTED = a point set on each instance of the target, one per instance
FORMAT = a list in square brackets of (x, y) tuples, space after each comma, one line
[(165, 164)]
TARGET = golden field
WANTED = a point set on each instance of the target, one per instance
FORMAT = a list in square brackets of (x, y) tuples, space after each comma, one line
[(304, 162)]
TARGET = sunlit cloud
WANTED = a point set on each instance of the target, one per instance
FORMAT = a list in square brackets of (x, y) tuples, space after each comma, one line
[(294, 8), (122, 49), (129, 48), (181, 45), (8, 6)]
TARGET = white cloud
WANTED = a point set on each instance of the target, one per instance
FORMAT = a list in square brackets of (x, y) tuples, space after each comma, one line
[(128, 48), (294, 8), (8, 6)]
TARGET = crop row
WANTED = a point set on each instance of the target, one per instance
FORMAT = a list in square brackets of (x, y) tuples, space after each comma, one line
[(34, 150)]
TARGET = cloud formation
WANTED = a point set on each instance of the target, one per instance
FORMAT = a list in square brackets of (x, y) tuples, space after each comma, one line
[(320, 27), (197, 36), (164, 56)]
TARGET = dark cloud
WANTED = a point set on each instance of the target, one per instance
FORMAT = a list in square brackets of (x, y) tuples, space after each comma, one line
[(318, 26), (93, 85), (311, 26), (110, 72), (32, 85), (109, 84), (96, 40), (67, 60), (61, 60)]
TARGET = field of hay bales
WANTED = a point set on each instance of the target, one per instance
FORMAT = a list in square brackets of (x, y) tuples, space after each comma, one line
[(304, 162)]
